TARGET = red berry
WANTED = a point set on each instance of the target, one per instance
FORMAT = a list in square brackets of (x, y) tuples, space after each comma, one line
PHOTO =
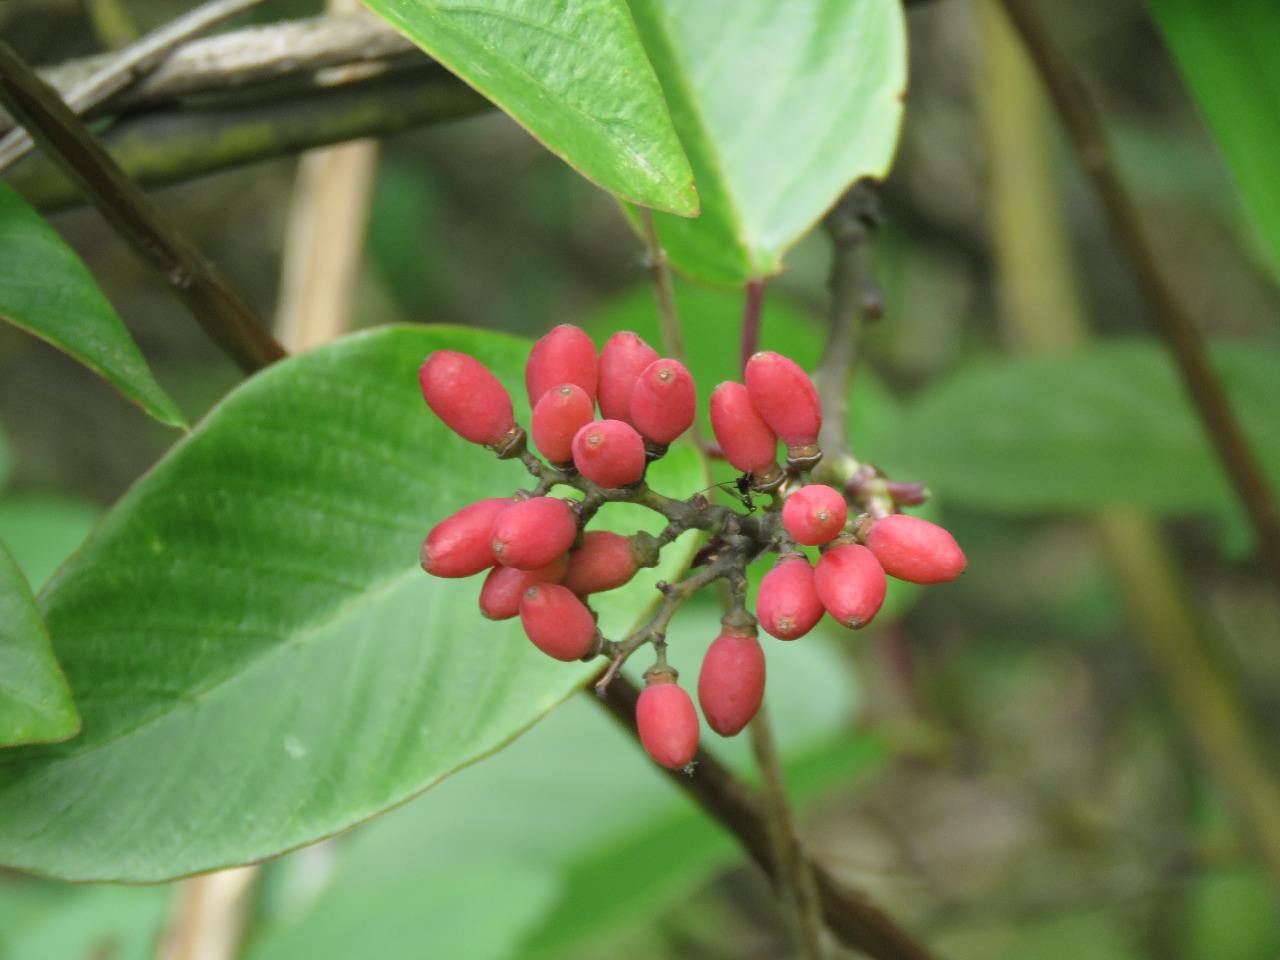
[(850, 583), (786, 399), (731, 683), (504, 586), (558, 623), (533, 532), (602, 562), (667, 723), (565, 355), (462, 544), (663, 401), (814, 514), (623, 358), (561, 413), (749, 443), (609, 453), (462, 392), (916, 550), (788, 605)]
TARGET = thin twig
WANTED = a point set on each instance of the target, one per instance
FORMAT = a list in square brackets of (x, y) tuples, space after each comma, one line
[(674, 596), (854, 297), (752, 306), (794, 875), (132, 62), (849, 914), (1079, 115), (225, 317)]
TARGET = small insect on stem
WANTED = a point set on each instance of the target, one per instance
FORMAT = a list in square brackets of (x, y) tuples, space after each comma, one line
[(741, 487)]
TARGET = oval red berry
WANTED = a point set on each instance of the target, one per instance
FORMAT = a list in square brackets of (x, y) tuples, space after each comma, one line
[(788, 605), (505, 586), (532, 533), (785, 396), (748, 443), (850, 583), (609, 453), (558, 623), (623, 358), (462, 544), (601, 562), (916, 550), (565, 355), (813, 515), (667, 724), (663, 401), (731, 682), (560, 414), (462, 392)]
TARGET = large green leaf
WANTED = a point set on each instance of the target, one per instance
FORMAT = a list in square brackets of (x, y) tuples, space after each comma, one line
[(35, 705), (1227, 54), (1109, 424), (46, 289), (576, 802), (258, 659), (780, 107), (573, 73)]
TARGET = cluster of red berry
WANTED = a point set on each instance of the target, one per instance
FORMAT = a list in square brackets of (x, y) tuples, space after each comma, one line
[(543, 565)]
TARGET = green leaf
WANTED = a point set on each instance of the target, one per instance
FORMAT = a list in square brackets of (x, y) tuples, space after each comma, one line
[(46, 290), (122, 923), (1106, 425), (477, 911), (35, 705), (41, 530), (780, 107), (258, 659), (571, 72), (1227, 56), (577, 801)]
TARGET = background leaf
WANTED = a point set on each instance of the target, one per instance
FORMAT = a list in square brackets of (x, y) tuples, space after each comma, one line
[(258, 658), (47, 290), (1105, 425), (573, 73), (780, 106), (1227, 55), (35, 705), (42, 529)]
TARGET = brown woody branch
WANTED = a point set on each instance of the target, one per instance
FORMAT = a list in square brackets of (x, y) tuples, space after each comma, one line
[(225, 317), (854, 920)]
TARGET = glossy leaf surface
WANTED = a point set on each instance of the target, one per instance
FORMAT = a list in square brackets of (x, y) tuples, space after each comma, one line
[(259, 660), (780, 107), (573, 73), (48, 291)]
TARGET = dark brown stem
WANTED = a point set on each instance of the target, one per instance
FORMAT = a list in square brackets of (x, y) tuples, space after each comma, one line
[(854, 297), (179, 143), (751, 317), (225, 317), (850, 916), (1081, 118), (131, 63), (674, 596)]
